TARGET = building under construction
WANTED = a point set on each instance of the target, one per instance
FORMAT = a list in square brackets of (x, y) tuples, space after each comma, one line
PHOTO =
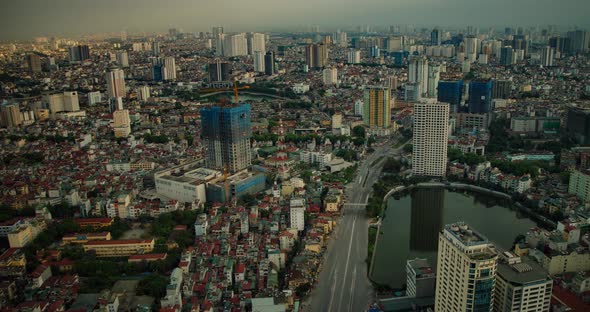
[(226, 135)]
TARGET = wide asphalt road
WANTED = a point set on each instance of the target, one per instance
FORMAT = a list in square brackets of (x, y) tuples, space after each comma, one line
[(343, 285)]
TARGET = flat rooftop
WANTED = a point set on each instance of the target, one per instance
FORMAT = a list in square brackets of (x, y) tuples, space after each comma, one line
[(525, 272), (465, 234), (421, 267)]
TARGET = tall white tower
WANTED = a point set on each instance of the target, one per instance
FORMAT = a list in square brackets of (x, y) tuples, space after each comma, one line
[(466, 270), (257, 43), (431, 129), (418, 73), (259, 61), (547, 55), (116, 83)]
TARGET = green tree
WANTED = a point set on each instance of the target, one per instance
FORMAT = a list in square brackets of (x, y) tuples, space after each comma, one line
[(359, 131), (408, 148), (153, 285)]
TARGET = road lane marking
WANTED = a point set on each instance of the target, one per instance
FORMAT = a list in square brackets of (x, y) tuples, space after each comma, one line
[(352, 284), (333, 288), (347, 261)]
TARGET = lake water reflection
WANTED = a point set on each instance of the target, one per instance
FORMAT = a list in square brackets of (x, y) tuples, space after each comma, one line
[(412, 223)]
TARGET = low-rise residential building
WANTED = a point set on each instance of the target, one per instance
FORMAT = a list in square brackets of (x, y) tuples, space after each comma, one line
[(81, 238), (12, 262), (94, 223), (120, 248)]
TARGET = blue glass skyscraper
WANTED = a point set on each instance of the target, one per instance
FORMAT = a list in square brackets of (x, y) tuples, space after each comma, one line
[(480, 96), (399, 57), (451, 92), (226, 135)]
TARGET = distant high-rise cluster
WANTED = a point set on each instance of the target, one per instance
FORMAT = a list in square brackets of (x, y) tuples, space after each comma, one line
[(256, 42), (79, 53), (234, 44), (316, 55), (221, 71), (354, 57), (435, 37), (163, 69), (34, 63)]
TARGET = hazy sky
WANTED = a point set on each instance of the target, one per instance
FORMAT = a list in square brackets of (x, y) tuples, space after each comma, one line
[(22, 19)]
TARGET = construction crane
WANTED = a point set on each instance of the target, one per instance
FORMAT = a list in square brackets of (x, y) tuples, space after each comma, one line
[(235, 89)]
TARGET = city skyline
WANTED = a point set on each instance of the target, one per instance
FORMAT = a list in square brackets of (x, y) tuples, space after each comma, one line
[(38, 18)]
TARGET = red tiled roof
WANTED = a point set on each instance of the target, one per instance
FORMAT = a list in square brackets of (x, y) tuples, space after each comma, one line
[(157, 256), (565, 297)]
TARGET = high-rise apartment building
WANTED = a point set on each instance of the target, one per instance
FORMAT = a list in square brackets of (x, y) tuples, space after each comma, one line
[(480, 96), (216, 31), (34, 63), (547, 56), (94, 97), (235, 45), (62, 102), (435, 37), (578, 124), (521, 285), (269, 63), (258, 61), (466, 270), (471, 45), (501, 89), (560, 44), (431, 129), (79, 53), (330, 76), (143, 93), (123, 59), (256, 42), (226, 135), (316, 55), (507, 56), (376, 109), (10, 115), (342, 39), (297, 214), (432, 82), (375, 51), (579, 184), (219, 71), (163, 69), (156, 48), (116, 83), (418, 73), (121, 123), (451, 92), (354, 57), (579, 41)]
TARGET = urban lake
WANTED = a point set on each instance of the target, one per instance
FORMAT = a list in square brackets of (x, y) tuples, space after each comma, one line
[(413, 220)]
